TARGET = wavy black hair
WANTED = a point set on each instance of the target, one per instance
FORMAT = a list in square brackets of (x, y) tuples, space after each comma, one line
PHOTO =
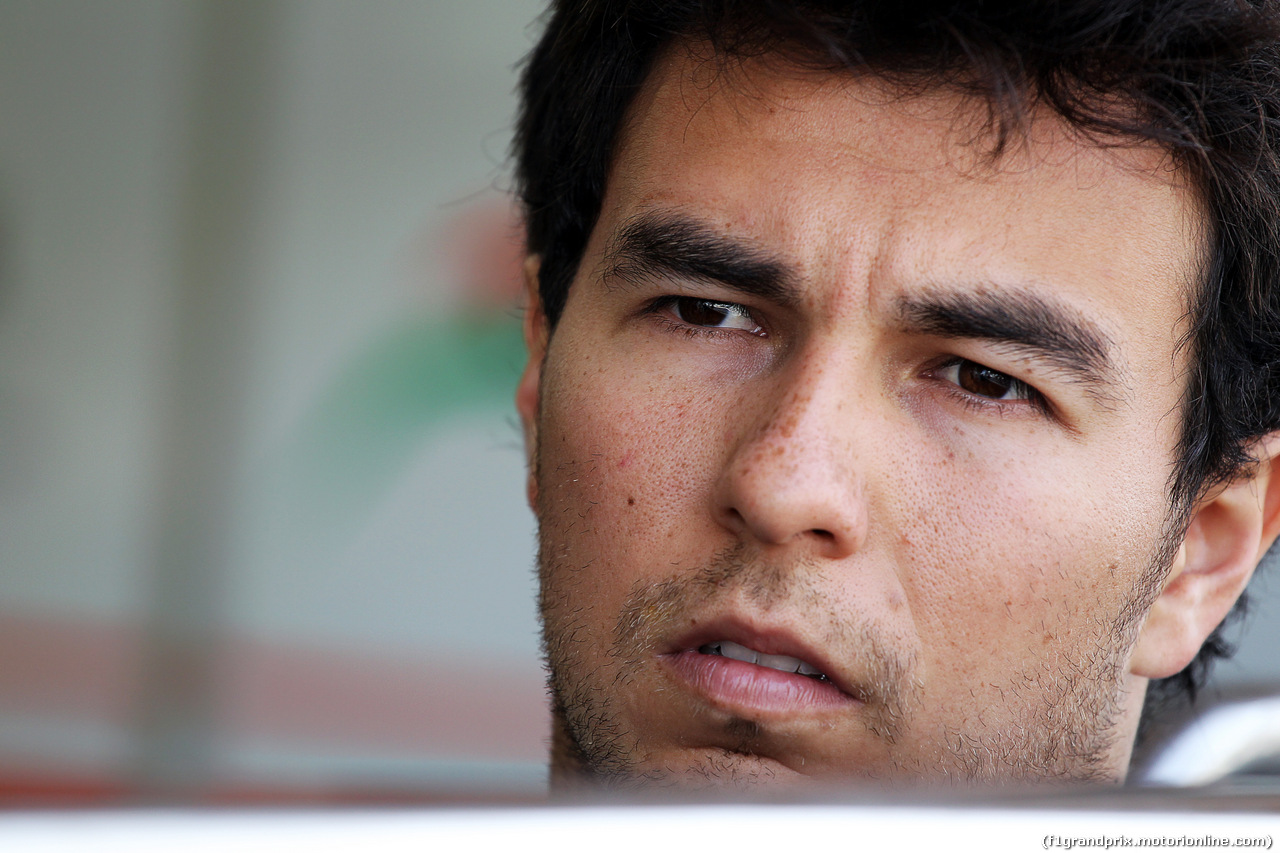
[(1199, 78)]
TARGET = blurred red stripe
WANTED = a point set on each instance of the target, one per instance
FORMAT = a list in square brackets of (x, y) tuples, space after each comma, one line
[(470, 706), (475, 707), (76, 668)]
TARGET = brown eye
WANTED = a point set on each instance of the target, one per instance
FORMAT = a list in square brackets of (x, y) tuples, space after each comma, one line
[(708, 314), (983, 381), (699, 312)]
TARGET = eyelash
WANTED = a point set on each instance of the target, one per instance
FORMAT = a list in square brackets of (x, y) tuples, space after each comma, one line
[(664, 309), (977, 402)]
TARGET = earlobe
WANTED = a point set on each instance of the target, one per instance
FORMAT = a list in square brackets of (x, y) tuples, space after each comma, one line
[(529, 389), (1230, 531)]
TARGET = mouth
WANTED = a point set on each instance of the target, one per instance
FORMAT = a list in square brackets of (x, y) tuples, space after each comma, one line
[(781, 663), (758, 674)]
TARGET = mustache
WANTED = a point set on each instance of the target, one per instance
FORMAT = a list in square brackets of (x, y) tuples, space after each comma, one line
[(881, 668)]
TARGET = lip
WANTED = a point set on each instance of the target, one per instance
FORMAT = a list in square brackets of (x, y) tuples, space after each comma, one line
[(741, 687)]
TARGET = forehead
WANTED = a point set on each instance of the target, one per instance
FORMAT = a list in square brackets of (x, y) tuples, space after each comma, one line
[(851, 179)]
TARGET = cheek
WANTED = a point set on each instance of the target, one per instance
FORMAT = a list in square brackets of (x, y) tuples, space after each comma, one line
[(626, 469), (1004, 556)]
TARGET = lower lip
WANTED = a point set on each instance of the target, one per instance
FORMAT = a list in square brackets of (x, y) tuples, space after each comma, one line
[(737, 685)]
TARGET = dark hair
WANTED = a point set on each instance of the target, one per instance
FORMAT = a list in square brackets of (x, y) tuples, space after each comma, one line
[(1200, 78)]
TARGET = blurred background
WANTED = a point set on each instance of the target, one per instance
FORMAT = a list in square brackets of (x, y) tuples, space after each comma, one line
[(262, 521)]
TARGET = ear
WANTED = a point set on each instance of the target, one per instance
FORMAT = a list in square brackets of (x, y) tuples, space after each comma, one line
[(1231, 530), (529, 389)]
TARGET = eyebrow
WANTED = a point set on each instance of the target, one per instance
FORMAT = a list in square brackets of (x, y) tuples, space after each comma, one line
[(654, 245), (664, 244), (1028, 323)]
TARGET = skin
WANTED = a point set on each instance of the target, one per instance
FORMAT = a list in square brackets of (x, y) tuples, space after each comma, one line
[(987, 574)]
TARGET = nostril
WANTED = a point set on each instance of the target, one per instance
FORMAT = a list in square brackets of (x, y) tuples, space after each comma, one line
[(824, 534)]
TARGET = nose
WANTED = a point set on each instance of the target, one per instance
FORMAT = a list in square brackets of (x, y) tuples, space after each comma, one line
[(794, 476)]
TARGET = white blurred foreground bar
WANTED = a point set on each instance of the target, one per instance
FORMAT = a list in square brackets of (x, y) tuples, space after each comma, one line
[(1227, 740), (625, 828)]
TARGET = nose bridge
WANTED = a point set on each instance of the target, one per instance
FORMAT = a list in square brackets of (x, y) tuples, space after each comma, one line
[(806, 406), (795, 473)]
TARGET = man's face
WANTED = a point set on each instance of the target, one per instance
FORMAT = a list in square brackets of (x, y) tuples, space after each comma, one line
[(835, 391)]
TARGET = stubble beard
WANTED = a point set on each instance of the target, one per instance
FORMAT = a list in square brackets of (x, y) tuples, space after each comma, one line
[(591, 739), (1068, 733)]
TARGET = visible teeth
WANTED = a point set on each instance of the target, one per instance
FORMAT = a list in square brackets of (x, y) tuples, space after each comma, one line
[(737, 652), (783, 663)]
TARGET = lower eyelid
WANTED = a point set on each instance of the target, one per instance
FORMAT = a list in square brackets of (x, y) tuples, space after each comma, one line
[(1026, 393)]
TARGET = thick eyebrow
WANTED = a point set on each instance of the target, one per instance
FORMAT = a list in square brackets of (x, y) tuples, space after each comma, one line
[(1029, 324), (660, 245)]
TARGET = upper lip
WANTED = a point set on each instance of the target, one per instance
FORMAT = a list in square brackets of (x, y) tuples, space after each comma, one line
[(767, 639)]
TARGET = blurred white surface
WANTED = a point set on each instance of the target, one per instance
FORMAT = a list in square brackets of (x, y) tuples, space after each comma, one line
[(1225, 740), (626, 829)]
